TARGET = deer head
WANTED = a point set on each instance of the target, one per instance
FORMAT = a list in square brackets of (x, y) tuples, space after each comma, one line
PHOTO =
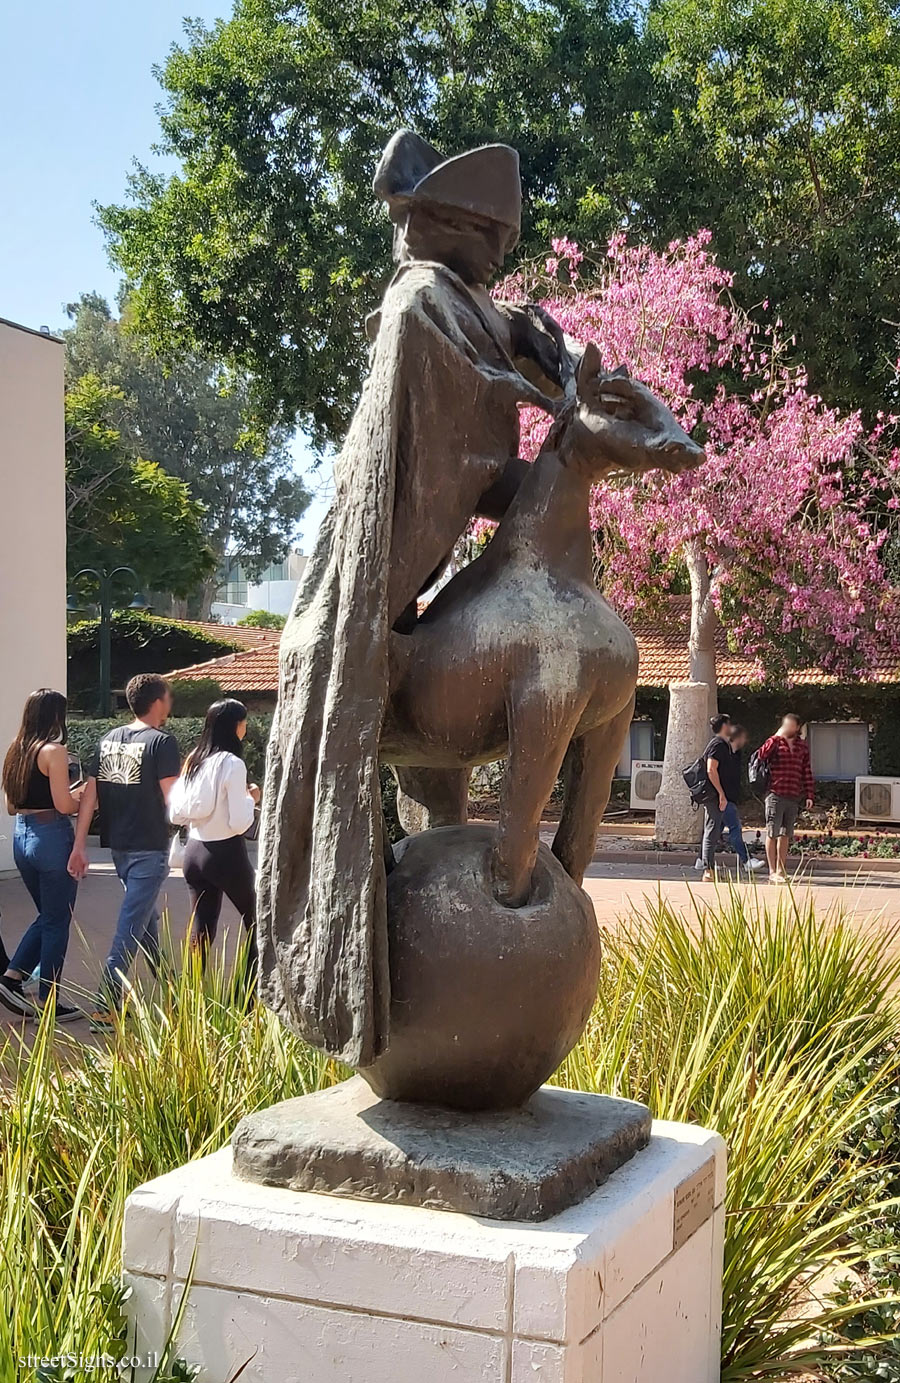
[(619, 425)]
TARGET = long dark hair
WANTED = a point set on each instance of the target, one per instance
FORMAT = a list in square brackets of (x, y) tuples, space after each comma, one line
[(43, 722), (219, 733)]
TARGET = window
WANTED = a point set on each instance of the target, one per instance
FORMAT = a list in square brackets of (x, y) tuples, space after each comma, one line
[(233, 590), (276, 572), (638, 745), (839, 750)]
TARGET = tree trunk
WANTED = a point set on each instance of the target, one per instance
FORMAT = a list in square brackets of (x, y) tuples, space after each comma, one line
[(704, 625), (207, 596), (678, 822)]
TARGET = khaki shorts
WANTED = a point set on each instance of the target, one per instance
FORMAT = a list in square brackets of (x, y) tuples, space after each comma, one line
[(781, 816)]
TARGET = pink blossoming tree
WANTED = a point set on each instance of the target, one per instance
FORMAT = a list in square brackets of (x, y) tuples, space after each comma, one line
[(788, 535)]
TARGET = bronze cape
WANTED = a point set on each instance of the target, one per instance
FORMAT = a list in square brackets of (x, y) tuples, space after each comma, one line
[(435, 426)]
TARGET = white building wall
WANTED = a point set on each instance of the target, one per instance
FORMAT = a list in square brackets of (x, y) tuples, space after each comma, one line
[(32, 529), (275, 596)]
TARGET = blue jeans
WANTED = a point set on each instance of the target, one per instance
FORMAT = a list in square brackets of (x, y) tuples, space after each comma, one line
[(731, 820), (41, 850), (142, 873)]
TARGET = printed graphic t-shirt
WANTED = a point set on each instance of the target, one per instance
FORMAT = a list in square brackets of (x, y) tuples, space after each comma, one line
[(128, 765)]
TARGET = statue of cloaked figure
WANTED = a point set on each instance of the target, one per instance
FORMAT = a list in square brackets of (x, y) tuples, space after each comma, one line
[(434, 441)]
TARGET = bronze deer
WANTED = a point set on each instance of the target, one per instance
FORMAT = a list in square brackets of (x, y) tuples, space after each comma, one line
[(519, 655)]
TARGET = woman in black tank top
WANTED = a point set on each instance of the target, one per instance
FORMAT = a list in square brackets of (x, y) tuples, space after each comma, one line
[(36, 784), (38, 796)]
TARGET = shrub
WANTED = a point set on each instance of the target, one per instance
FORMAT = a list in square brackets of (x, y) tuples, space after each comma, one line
[(194, 698), (779, 1029), (79, 1128), (85, 735), (263, 619)]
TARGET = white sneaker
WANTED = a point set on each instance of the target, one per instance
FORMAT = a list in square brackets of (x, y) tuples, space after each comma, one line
[(698, 863), (754, 866)]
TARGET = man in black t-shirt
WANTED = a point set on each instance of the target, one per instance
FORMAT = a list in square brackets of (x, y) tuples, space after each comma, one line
[(730, 775), (130, 778), (718, 761)]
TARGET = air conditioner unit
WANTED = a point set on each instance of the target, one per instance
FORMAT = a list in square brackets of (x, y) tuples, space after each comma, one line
[(646, 780), (878, 799)]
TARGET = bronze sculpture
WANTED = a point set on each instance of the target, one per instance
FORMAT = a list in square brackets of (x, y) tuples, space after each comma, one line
[(517, 654)]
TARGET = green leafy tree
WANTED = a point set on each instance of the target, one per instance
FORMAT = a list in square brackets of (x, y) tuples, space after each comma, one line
[(193, 421), (772, 122), (791, 109), (266, 247), (120, 509)]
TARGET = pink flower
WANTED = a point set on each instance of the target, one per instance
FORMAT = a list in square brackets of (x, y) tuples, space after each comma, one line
[(789, 514)]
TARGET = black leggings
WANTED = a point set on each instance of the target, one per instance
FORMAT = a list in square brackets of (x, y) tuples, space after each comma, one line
[(213, 868)]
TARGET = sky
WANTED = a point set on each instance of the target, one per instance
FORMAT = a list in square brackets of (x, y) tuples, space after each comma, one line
[(77, 105)]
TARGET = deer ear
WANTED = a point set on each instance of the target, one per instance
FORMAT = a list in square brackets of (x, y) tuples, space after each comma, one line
[(620, 372), (589, 366)]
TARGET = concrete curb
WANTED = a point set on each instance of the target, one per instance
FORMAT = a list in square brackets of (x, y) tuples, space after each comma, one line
[(804, 863), (799, 863)]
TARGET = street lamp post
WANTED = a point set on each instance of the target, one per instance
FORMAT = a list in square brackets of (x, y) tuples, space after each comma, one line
[(104, 582)]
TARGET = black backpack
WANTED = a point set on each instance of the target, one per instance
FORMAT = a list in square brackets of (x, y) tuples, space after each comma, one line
[(759, 773), (697, 781)]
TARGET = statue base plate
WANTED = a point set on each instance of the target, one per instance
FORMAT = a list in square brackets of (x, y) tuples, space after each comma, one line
[(523, 1164)]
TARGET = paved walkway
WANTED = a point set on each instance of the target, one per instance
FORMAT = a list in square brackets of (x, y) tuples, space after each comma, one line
[(873, 899)]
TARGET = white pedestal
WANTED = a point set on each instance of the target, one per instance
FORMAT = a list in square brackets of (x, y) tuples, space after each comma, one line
[(622, 1288)]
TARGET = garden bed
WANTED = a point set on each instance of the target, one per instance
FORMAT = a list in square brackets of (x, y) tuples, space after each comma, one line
[(773, 1025)]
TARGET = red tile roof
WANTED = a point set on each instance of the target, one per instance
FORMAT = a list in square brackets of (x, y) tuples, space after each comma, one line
[(242, 636), (248, 670), (662, 646)]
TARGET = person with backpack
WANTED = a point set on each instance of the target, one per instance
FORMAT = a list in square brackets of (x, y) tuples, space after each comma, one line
[(214, 800), (730, 774), (790, 783), (717, 756)]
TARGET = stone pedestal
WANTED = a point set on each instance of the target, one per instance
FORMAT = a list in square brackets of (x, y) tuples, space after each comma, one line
[(624, 1287)]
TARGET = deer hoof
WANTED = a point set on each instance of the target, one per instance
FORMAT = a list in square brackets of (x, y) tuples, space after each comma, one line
[(509, 889)]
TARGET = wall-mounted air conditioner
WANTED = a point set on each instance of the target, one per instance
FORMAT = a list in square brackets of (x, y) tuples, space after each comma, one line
[(646, 780), (878, 799)]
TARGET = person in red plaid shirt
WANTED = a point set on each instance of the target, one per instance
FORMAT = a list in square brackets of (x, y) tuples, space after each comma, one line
[(790, 783)]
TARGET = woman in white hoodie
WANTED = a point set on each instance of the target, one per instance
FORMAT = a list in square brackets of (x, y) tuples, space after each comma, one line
[(212, 797)]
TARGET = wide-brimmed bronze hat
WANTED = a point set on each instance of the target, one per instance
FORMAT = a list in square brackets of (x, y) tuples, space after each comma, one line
[(483, 182)]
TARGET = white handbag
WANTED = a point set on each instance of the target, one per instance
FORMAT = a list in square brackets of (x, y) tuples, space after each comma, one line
[(176, 850)]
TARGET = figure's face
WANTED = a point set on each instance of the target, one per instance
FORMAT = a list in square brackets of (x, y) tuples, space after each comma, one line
[(790, 727), (473, 248)]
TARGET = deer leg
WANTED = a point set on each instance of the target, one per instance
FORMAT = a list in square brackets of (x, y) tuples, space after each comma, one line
[(588, 770), (429, 797), (536, 751)]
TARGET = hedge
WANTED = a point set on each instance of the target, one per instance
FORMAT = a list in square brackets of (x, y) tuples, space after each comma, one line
[(139, 643), (85, 735)]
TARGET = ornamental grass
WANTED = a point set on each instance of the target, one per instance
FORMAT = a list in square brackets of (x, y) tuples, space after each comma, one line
[(756, 1016)]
